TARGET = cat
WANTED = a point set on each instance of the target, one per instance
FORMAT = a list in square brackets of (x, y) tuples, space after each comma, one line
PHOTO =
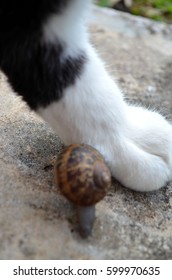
[(47, 56)]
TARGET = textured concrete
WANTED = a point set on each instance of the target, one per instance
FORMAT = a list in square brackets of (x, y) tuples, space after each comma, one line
[(36, 222)]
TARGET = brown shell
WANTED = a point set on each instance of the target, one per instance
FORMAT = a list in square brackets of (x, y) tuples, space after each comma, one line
[(82, 174)]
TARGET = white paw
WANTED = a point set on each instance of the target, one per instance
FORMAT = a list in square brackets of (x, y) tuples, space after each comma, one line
[(142, 155)]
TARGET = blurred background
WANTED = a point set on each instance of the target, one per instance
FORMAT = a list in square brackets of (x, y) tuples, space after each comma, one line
[(160, 10)]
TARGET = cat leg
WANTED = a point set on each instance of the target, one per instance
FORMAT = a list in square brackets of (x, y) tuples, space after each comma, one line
[(136, 143)]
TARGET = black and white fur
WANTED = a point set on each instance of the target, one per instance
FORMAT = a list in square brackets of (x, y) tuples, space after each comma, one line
[(48, 59)]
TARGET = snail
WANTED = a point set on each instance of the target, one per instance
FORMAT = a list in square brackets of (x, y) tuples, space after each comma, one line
[(83, 177)]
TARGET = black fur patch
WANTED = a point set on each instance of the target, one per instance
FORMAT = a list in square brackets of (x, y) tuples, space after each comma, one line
[(34, 69), (28, 13)]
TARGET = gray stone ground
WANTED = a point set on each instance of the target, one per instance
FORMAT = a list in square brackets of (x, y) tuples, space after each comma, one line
[(36, 222)]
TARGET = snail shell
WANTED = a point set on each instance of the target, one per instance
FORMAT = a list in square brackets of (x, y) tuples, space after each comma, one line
[(83, 178), (82, 174)]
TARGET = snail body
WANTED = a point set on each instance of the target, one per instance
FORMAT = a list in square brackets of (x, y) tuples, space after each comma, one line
[(83, 177)]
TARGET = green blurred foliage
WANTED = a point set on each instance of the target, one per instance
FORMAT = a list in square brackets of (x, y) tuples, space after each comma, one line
[(156, 9), (104, 3)]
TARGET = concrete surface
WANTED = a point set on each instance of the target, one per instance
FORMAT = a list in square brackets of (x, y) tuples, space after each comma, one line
[(36, 222)]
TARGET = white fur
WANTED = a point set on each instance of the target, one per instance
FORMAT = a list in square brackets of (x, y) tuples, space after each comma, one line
[(68, 27), (136, 143)]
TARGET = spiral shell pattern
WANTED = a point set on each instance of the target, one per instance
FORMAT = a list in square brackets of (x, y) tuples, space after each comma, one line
[(82, 174)]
